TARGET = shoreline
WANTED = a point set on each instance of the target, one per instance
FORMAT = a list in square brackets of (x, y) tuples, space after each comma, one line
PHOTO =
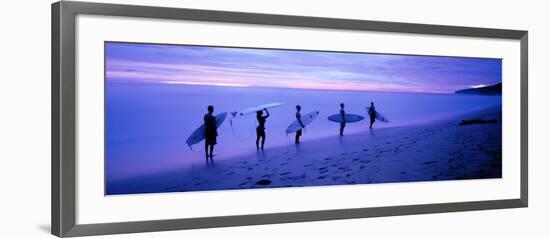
[(433, 151)]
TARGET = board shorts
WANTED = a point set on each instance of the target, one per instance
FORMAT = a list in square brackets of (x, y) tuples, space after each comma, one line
[(260, 132), (372, 117), (210, 137)]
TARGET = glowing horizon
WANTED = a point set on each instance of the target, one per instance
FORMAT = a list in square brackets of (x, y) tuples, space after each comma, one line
[(239, 67)]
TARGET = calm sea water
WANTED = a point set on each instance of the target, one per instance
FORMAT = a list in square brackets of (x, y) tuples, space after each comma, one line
[(147, 124)]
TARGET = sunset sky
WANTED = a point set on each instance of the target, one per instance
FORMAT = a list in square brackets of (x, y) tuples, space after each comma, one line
[(238, 67)]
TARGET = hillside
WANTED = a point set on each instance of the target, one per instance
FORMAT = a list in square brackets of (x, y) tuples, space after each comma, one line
[(488, 90)]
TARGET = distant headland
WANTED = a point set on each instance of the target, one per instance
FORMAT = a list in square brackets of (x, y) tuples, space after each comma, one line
[(487, 90)]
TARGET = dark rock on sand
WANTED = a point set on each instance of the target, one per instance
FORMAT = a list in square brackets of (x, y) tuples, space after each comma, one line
[(264, 182)]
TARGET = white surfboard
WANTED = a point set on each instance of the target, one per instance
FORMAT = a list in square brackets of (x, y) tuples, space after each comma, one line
[(348, 117), (198, 135), (381, 118), (306, 119), (256, 108)]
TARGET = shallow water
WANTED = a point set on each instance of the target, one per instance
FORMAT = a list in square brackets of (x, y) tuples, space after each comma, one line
[(147, 124)]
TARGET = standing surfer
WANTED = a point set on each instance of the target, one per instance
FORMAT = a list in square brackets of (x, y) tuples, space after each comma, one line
[(343, 121), (260, 130), (372, 114), (299, 118), (210, 132)]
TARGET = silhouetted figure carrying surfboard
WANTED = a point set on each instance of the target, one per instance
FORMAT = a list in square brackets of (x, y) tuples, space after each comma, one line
[(210, 133), (343, 122), (372, 114), (299, 119), (260, 130)]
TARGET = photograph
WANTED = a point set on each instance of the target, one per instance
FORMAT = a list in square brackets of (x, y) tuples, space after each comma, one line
[(190, 118)]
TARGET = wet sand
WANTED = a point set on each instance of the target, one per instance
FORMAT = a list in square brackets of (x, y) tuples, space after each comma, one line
[(441, 150)]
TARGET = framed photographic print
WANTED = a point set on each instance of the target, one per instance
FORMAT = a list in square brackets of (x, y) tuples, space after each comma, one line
[(166, 119)]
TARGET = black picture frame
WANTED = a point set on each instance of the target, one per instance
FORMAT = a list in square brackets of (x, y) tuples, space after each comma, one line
[(64, 107)]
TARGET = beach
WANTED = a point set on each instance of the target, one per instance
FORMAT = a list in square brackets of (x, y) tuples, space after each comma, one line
[(434, 151), (147, 125)]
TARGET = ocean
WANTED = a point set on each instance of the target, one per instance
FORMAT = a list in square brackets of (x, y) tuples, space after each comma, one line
[(147, 124)]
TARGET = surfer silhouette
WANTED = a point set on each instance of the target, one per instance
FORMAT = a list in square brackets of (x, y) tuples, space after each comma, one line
[(372, 114), (343, 121), (299, 118), (210, 132), (260, 130)]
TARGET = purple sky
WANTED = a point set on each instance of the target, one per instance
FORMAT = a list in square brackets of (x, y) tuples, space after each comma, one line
[(219, 66)]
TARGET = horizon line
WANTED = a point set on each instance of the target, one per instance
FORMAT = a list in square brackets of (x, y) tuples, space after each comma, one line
[(233, 85)]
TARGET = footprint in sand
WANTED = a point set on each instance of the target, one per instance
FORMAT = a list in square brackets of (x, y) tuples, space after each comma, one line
[(430, 162), (308, 165), (230, 173), (285, 173), (321, 177)]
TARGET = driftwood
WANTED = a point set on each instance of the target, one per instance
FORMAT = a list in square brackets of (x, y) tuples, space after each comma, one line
[(476, 121)]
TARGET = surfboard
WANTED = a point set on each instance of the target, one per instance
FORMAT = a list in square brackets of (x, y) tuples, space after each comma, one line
[(306, 119), (198, 135), (378, 116), (256, 108), (381, 118), (347, 117)]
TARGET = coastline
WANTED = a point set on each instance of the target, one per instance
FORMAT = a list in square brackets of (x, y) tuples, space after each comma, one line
[(434, 151)]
